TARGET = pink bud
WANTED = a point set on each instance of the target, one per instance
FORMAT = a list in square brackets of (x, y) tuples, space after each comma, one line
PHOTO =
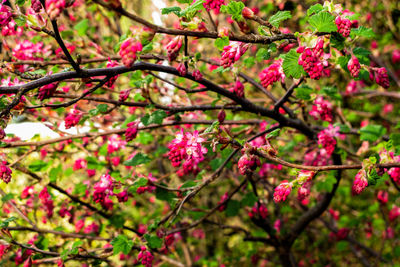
[(247, 13)]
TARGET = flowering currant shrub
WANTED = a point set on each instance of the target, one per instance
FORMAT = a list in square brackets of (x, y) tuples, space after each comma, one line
[(200, 133)]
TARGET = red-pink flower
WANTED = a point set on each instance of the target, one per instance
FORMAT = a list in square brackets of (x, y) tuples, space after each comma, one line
[(173, 48), (145, 257), (5, 14), (383, 197), (47, 91), (360, 182), (396, 56), (111, 81), (326, 138), (5, 172), (47, 202), (344, 26), (394, 213), (103, 188), (124, 94), (222, 200), (36, 5), (304, 191), (272, 74), (321, 109), (181, 69), (248, 163), (54, 8), (129, 49), (213, 5), (232, 53), (197, 75), (282, 191), (381, 77), (72, 118), (354, 66), (260, 210), (80, 164), (238, 89), (92, 228), (131, 131), (122, 196), (314, 60)]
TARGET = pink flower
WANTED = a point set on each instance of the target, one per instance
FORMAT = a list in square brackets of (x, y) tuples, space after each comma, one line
[(360, 182), (72, 118), (272, 74), (80, 164), (47, 91), (344, 26), (247, 13), (27, 192), (5, 14), (232, 53), (103, 188), (92, 228), (36, 5), (173, 48), (79, 225), (314, 60), (388, 108), (115, 143), (260, 210), (145, 257), (394, 213), (47, 202), (124, 94), (304, 191), (5, 172), (396, 56), (197, 75), (354, 66), (383, 197), (131, 131), (248, 163), (54, 8), (128, 51), (326, 138), (181, 69), (238, 89), (111, 81), (282, 191), (222, 200), (322, 109), (381, 77), (122, 196), (213, 5)]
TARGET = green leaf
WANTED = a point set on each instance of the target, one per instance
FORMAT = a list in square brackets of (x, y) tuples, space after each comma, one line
[(314, 9), (37, 165), (362, 55), (20, 21), (220, 43), (249, 62), (55, 173), (363, 32), (212, 127), (343, 127), (323, 22), (372, 132), (138, 183), (80, 189), (249, 200), (215, 163), (342, 61), (156, 117), (138, 159), (122, 243), (7, 221), (153, 241), (192, 10), (117, 220), (278, 17), (20, 2), (291, 66), (175, 9), (7, 197), (82, 27), (235, 9), (304, 92), (165, 195), (102, 108), (337, 41), (332, 92), (274, 133), (263, 54), (189, 184), (233, 208)]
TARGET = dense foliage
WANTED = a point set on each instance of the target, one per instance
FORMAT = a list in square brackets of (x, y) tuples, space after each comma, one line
[(237, 133)]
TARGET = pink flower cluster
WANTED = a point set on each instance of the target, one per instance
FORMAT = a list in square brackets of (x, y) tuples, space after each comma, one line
[(222, 200), (314, 60), (111, 81), (124, 94), (145, 257), (238, 89), (47, 91), (181, 69), (232, 53), (395, 172), (282, 191), (115, 143), (213, 5), (54, 8), (197, 75), (173, 48), (79, 164), (5, 172), (260, 210), (131, 131), (326, 138), (394, 213), (267, 167), (344, 26), (128, 51), (26, 50), (248, 163), (36, 5), (360, 182), (380, 76), (322, 109), (103, 189), (72, 118), (383, 197), (272, 74), (5, 14), (304, 191), (354, 66), (396, 56), (47, 202), (187, 147)]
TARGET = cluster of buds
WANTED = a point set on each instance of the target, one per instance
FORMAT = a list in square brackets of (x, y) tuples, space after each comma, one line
[(128, 51), (173, 48), (123, 95), (321, 109), (5, 14), (47, 91), (282, 191), (36, 5), (232, 53), (5, 172), (145, 257), (272, 74), (213, 5), (197, 75), (47, 202), (222, 202), (54, 8), (344, 26), (131, 131), (381, 77), (311, 60), (360, 182), (103, 188), (72, 118), (238, 89), (260, 210), (354, 66), (111, 81), (383, 197), (181, 69), (247, 13), (248, 162)]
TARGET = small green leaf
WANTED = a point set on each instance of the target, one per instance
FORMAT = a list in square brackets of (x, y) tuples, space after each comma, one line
[(212, 127), (153, 241), (278, 17), (337, 41), (165, 195), (314, 9), (7, 221), (363, 32), (20, 21), (362, 55), (323, 22), (234, 9), (372, 132), (82, 27), (138, 183), (274, 133), (156, 117), (291, 66), (232, 208), (55, 173), (220, 43), (38, 165), (138, 159), (192, 10), (102, 108), (249, 200), (121, 243), (175, 9), (304, 92), (263, 54)]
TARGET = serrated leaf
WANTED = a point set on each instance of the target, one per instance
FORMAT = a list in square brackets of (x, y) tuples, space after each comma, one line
[(138, 159), (337, 40), (153, 241), (191, 10), (363, 32), (323, 22), (122, 244), (372, 132), (291, 66), (279, 16), (314, 9), (174, 9), (20, 21), (362, 55), (220, 43), (304, 92), (234, 9), (7, 221), (156, 117)]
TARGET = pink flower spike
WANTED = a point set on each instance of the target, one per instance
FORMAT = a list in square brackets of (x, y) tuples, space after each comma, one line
[(282, 191), (360, 182)]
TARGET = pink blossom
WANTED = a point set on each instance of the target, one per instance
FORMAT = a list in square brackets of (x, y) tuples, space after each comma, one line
[(47, 91), (222, 200), (111, 81), (326, 138), (5, 172), (383, 197), (2, 133), (272, 74), (388, 108), (260, 210), (54, 8), (173, 48), (247, 13), (72, 118), (394, 173), (27, 192), (396, 56), (131, 131), (317, 157), (213, 5), (394, 213), (360, 182), (354, 66), (79, 225), (238, 89), (145, 257), (344, 26), (92, 228), (5, 14), (282, 191), (36, 5), (304, 191), (47, 202), (232, 53), (124, 94), (248, 163), (322, 109), (267, 167), (181, 68), (314, 60), (122, 196), (80, 164), (128, 51), (103, 188), (197, 75), (115, 143), (381, 77)]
